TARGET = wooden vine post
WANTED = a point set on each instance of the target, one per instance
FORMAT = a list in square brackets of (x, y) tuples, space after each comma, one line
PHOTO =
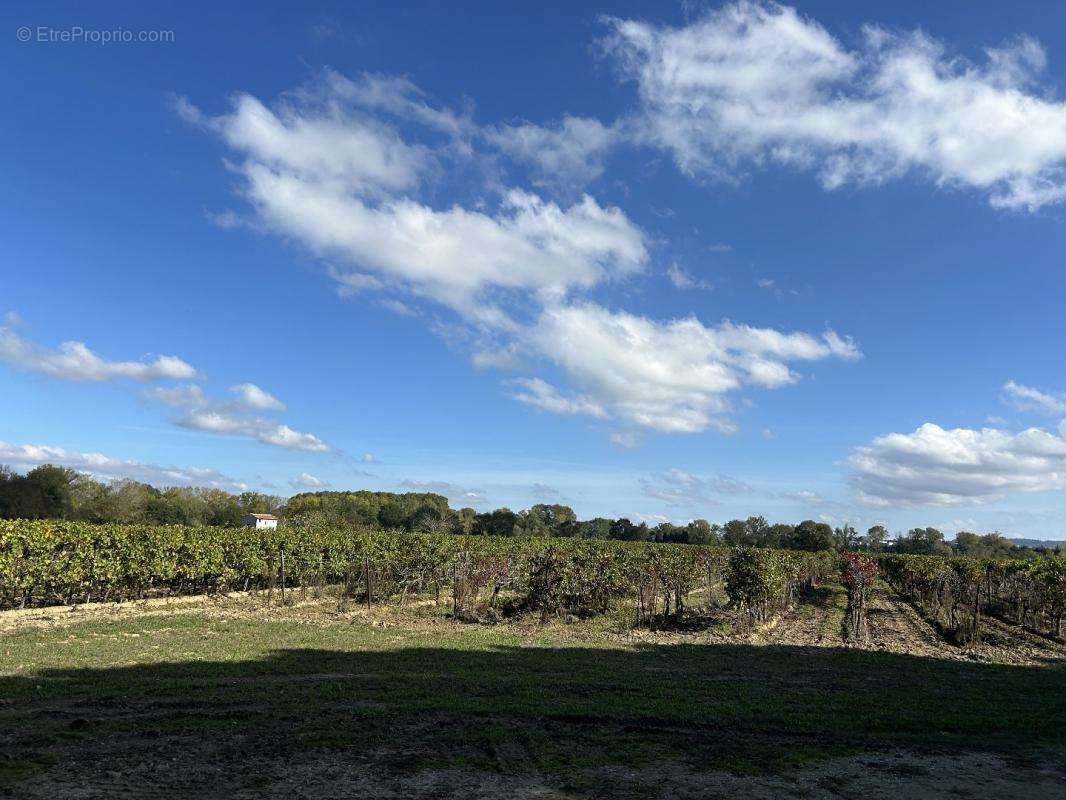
[(369, 585), (282, 553)]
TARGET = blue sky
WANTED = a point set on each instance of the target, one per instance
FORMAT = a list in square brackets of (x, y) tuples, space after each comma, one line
[(656, 261)]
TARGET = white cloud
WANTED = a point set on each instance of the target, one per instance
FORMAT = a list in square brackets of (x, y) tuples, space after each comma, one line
[(368, 458), (680, 488), (333, 146), (74, 361), (187, 396), (398, 97), (105, 467), (231, 418), (683, 280), (755, 83), (457, 495), (1029, 399), (939, 467), (515, 271), (806, 497), (306, 480), (539, 393), (263, 430), (627, 440), (251, 396), (671, 376), (570, 153), (318, 168)]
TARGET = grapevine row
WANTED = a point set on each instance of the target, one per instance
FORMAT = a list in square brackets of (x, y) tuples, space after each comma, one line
[(46, 562)]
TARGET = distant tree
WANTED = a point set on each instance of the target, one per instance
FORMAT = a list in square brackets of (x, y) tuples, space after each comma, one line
[(845, 537), (989, 545), (876, 537), (597, 528), (625, 530), (811, 535), (500, 522), (21, 498), (923, 541), (779, 535), (758, 532), (700, 531), (57, 486), (735, 533), (545, 520)]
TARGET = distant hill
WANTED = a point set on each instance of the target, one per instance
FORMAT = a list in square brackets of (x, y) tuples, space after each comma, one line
[(1049, 543)]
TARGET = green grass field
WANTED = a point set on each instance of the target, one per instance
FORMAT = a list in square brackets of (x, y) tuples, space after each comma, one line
[(244, 696)]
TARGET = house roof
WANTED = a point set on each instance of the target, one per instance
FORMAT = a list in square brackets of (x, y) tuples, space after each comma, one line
[(262, 516)]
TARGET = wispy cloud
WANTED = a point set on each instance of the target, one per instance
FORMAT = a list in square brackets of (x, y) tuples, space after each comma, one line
[(1028, 399), (683, 280), (680, 488), (74, 361), (457, 495), (107, 467)]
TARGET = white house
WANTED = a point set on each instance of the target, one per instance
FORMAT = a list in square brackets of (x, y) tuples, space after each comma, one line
[(260, 520)]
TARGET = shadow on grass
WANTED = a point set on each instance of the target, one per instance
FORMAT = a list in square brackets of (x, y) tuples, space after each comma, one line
[(555, 711)]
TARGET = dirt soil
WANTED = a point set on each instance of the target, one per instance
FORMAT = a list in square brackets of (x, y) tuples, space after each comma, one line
[(179, 768)]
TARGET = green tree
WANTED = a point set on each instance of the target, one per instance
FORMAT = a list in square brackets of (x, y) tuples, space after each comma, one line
[(876, 537), (735, 533), (845, 537), (57, 487), (811, 535)]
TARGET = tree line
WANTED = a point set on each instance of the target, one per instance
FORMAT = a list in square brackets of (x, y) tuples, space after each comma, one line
[(53, 492)]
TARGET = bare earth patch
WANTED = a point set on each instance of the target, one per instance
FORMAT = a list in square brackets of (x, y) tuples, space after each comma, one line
[(181, 768)]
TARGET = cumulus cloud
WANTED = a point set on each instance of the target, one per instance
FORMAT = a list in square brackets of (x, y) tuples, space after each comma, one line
[(1026, 398), (317, 167), (251, 396), (672, 376), (680, 488), (74, 361), (457, 495), (755, 83), (305, 480), (570, 153), (106, 467), (937, 467), (514, 271)]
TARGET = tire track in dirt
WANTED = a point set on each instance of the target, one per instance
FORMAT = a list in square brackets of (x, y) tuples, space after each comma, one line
[(1016, 645), (896, 627)]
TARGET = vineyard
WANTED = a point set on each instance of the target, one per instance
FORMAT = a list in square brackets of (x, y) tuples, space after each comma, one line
[(47, 562), (322, 660)]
